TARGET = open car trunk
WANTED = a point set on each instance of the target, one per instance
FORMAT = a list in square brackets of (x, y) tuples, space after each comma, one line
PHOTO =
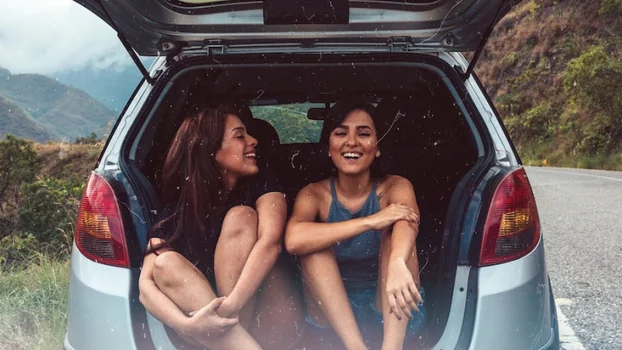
[(433, 142)]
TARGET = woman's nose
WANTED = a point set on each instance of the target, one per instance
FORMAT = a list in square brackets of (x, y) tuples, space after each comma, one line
[(252, 141), (351, 141)]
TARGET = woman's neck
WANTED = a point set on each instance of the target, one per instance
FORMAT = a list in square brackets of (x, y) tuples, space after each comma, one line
[(230, 181), (354, 185)]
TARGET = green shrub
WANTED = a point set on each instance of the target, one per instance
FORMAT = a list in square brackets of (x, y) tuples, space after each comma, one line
[(48, 211), (535, 125), (17, 250), (593, 82), (18, 165), (87, 140), (534, 8), (610, 7)]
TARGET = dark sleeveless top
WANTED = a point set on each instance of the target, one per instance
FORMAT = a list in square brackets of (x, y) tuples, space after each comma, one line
[(357, 257)]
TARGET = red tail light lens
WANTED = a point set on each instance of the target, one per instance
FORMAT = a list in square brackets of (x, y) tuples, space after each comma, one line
[(512, 228), (100, 235)]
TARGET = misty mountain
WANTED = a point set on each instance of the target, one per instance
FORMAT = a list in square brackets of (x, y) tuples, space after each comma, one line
[(40, 108), (111, 86)]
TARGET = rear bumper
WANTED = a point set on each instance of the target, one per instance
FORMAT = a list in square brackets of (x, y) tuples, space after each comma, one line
[(99, 315), (515, 308)]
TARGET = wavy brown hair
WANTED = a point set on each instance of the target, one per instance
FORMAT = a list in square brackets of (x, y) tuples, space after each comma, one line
[(191, 178)]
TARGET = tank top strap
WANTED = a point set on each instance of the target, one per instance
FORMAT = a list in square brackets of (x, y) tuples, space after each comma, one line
[(333, 191), (375, 202)]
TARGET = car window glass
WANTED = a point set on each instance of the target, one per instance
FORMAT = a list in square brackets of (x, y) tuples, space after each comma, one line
[(291, 122)]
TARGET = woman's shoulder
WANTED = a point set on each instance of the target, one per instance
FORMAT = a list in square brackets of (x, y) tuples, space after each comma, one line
[(390, 183), (316, 189)]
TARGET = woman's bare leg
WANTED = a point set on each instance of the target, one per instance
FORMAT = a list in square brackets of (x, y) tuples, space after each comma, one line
[(324, 288), (188, 288), (237, 238), (279, 316), (394, 329)]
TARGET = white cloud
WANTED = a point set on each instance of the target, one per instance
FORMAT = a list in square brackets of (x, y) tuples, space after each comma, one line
[(48, 36)]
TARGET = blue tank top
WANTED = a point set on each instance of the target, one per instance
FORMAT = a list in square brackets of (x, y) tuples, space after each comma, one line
[(357, 257)]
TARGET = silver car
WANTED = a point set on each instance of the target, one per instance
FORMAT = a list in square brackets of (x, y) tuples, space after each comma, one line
[(480, 243)]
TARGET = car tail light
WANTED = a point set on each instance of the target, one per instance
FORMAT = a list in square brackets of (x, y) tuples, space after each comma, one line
[(100, 235), (512, 228)]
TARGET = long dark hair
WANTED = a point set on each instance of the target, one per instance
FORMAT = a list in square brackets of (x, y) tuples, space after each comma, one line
[(191, 178)]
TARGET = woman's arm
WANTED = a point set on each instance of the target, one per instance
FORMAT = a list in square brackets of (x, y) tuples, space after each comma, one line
[(271, 213), (404, 233), (305, 236), (401, 288)]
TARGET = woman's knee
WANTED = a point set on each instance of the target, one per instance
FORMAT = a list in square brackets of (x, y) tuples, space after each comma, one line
[(240, 222), (166, 268)]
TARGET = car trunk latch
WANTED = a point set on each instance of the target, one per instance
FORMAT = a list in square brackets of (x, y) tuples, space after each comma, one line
[(400, 43)]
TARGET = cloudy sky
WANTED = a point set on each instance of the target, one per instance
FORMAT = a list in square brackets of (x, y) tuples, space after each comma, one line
[(49, 36)]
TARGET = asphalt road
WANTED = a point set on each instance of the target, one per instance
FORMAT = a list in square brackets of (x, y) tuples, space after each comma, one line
[(581, 216)]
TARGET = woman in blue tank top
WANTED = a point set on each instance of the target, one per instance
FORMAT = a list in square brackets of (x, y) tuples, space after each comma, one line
[(355, 235)]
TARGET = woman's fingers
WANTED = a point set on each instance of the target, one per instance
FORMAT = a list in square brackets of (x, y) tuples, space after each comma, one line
[(415, 293), (214, 304), (403, 305), (393, 306), (226, 323), (408, 296)]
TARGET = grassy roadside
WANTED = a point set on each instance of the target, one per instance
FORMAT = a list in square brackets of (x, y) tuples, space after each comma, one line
[(33, 305), (540, 156)]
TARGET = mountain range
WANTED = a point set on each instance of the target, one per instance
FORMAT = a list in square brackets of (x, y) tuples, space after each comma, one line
[(40, 108)]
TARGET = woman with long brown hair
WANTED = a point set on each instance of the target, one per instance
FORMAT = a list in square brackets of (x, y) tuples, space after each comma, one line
[(220, 235)]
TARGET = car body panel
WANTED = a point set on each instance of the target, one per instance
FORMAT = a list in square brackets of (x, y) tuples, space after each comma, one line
[(99, 310), (513, 305), (159, 26)]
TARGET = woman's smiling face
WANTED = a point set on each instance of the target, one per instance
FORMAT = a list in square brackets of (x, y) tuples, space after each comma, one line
[(236, 156), (353, 143)]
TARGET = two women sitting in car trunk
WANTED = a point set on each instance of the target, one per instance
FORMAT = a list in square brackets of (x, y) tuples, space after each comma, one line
[(211, 270)]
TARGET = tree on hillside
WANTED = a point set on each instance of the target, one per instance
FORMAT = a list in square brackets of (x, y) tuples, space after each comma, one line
[(592, 82), (18, 165)]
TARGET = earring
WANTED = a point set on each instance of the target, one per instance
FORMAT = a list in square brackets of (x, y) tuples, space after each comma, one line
[(377, 154), (329, 155)]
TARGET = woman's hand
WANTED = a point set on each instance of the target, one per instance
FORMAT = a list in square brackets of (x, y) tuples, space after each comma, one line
[(206, 321), (391, 214), (401, 290)]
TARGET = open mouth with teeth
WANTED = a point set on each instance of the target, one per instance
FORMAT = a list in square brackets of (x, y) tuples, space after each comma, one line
[(352, 155), (251, 155)]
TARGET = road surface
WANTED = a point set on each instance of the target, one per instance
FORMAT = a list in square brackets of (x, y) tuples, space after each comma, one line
[(581, 216)]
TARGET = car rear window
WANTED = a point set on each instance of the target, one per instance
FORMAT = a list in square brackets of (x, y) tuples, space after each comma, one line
[(291, 122)]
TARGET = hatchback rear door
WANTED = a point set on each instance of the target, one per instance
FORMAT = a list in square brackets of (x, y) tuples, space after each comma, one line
[(157, 27)]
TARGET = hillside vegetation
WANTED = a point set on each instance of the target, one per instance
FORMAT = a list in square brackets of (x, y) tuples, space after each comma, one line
[(33, 101), (40, 189), (554, 70)]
